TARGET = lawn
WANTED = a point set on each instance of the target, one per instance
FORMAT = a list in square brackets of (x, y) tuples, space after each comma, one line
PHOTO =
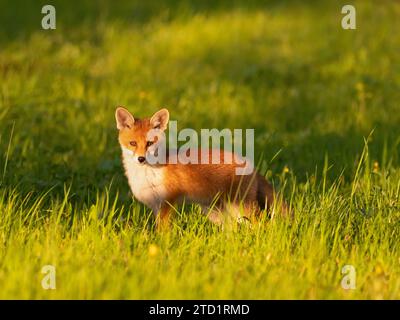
[(324, 103)]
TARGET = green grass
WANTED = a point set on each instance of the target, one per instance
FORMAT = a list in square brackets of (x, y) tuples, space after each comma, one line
[(324, 103)]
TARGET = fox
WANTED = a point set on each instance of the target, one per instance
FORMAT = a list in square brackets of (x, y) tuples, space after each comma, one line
[(214, 186)]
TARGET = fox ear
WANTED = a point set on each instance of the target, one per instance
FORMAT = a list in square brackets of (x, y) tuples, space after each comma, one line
[(124, 118), (160, 119)]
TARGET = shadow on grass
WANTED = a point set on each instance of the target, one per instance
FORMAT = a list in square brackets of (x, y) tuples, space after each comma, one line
[(20, 18)]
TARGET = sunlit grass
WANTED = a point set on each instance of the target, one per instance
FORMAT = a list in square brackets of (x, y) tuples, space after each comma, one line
[(104, 250)]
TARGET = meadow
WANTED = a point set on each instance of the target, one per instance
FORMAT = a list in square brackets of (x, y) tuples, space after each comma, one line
[(324, 103)]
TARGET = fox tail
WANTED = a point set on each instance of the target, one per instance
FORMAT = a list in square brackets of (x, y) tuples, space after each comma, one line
[(266, 197)]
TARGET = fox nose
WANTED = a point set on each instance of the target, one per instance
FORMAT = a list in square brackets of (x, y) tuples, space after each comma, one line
[(141, 159)]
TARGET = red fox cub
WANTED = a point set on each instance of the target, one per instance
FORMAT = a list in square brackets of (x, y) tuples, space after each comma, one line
[(215, 187)]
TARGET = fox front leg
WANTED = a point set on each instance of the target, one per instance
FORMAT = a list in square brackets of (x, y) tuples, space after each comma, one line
[(163, 216)]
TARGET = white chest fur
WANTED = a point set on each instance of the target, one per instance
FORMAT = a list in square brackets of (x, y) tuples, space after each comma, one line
[(146, 182)]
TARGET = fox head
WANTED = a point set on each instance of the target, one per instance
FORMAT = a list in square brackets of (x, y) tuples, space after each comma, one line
[(139, 137)]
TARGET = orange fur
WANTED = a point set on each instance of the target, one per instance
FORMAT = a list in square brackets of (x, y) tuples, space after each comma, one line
[(164, 185)]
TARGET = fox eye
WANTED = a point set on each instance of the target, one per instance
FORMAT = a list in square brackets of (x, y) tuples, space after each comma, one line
[(133, 143), (149, 143)]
